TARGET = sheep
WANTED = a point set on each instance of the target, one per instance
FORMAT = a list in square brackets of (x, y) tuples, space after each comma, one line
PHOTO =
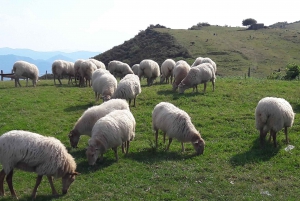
[(272, 114), (98, 73), (150, 70), (119, 69), (86, 70), (60, 68), (135, 69), (99, 64), (128, 88), (180, 71), (27, 70), (76, 69), (201, 60), (85, 123), (115, 129), (176, 123), (167, 70), (198, 75), (106, 85), (33, 152)]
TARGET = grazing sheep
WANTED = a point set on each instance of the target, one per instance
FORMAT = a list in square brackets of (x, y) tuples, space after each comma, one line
[(25, 69), (60, 68), (180, 71), (150, 70), (135, 69), (176, 123), (119, 69), (106, 85), (98, 73), (85, 123), (86, 70), (115, 129), (99, 64), (198, 75), (167, 70), (128, 88), (76, 69), (272, 114), (33, 152), (201, 60)]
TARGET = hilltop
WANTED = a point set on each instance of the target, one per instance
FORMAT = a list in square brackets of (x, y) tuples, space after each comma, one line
[(235, 49)]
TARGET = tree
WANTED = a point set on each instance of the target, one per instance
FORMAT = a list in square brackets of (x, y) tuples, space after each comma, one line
[(249, 21)]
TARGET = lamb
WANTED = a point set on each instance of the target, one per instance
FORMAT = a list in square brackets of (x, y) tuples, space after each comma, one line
[(128, 88), (167, 70), (176, 123), (119, 69), (150, 70), (135, 69), (180, 71), (25, 69), (111, 131), (201, 60), (76, 69), (272, 114), (198, 75), (86, 70), (99, 64), (106, 85), (85, 123), (60, 68), (33, 152)]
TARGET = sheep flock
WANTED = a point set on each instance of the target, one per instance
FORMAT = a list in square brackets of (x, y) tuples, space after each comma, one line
[(111, 123)]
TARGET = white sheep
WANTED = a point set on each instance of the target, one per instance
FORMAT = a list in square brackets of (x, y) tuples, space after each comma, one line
[(198, 75), (85, 123), (201, 60), (180, 71), (98, 73), (119, 69), (176, 123), (167, 70), (27, 70), (76, 69), (111, 131), (86, 70), (60, 68), (272, 114), (150, 70), (106, 85), (99, 64), (135, 69), (33, 152), (128, 88)]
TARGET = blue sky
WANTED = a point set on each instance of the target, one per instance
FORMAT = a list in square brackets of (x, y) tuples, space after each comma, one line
[(99, 25)]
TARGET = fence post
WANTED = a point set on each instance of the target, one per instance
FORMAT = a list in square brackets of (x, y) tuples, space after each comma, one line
[(1, 75)]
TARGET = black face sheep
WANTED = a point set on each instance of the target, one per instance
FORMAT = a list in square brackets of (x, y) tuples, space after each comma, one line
[(150, 70), (180, 71), (128, 88), (85, 123), (176, 123), (167, 71), (60, 68), (111, 131), (272, 114), (33, 152), (198, 75), (27, 70)]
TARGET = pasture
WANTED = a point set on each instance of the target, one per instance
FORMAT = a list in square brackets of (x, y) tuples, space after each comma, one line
[(233, 167)]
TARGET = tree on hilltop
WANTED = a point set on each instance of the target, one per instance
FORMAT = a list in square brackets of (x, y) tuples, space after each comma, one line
[(249, 21)]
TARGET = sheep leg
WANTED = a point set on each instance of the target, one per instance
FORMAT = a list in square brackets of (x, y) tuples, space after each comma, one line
[(2, 176), (170, 141), (196, 88), (116, 153), (50, 179), (134, 102), (58, 77), (213, 84), (156, 136), (27, 82), (10, 185), (164, 137), (37, 183), (286, 135), (127, 146), (129, 100), (204, 87), (17, 82), (123, 147), (273, 133), (54, 79), (182, 147)]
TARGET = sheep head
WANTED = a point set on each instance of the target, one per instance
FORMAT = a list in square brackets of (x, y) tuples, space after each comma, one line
[(67, 180), (198, 144), (74, 137)]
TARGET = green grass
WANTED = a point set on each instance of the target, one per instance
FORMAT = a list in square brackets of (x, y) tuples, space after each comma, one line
[(233, 167)]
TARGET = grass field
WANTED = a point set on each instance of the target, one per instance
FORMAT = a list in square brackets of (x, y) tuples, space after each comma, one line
[(233, 167)]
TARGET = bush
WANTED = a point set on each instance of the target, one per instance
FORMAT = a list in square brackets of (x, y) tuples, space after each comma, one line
[(292, 71)]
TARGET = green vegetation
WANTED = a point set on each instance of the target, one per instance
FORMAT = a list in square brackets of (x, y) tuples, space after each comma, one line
[(233, 167)]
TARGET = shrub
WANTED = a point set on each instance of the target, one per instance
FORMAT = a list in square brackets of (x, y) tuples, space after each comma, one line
[(292, 71)]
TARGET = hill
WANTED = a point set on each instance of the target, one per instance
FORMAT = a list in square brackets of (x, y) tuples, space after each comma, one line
[(235, 49)]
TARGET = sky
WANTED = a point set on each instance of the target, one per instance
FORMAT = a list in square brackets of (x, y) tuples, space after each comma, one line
[(99, 25)]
